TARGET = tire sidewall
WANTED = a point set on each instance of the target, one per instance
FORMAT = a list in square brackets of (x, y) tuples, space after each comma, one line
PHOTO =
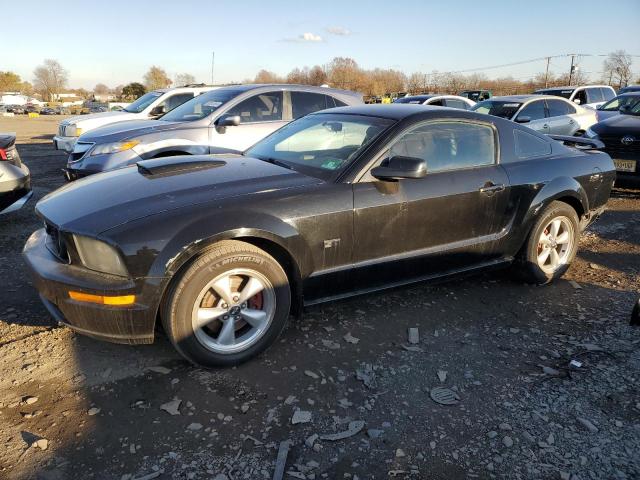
[(555, 209), (195, 279)]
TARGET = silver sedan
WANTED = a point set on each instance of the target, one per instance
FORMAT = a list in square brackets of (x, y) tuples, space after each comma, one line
[(543, 113)]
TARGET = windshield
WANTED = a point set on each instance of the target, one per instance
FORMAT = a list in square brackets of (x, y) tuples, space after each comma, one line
[(418, 99), (201, 106), (497, 108), (615, 104), (566, 93), (143, 102), (633, 110), (320, 145)]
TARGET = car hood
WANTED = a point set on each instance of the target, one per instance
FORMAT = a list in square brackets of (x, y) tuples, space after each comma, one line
[(618, 125), (116, 132), (94, 120), (103, 201)]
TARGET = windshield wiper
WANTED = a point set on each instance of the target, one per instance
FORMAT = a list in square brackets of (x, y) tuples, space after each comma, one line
[(275, 161)]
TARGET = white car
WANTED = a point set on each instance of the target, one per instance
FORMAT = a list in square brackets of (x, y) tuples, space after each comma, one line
[(452, 101), (148, 106), (591, 96), (543, 113)]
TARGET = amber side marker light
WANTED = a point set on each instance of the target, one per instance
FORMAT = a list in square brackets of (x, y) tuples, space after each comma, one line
[(102, 300)]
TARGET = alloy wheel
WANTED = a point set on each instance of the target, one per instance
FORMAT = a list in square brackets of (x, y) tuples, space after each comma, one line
[(555, 244), (233, 311)]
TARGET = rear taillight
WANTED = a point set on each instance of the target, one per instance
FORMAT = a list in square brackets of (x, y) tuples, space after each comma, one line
[(3, 154)]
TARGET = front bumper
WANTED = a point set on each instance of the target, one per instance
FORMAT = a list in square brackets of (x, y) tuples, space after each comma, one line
[(54, 279), (64, 143)]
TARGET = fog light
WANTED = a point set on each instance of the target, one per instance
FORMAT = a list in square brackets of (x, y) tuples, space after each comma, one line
[(102, 299)]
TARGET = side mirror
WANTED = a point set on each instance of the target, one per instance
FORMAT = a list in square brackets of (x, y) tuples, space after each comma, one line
[(577, 101), (157, 111), (521, 119), (228, 121), (396, 168), (599, 107)]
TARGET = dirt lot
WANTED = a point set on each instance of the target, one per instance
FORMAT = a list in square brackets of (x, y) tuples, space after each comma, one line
[(72, 407)]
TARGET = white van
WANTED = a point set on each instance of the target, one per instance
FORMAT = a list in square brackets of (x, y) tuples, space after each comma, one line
[(590, 96)]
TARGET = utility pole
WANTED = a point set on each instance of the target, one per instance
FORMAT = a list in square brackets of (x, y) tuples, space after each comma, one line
[(572, 69), (213, 58), (546, 75)]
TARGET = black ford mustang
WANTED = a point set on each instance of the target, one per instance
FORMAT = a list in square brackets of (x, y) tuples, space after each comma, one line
[(221, 249)]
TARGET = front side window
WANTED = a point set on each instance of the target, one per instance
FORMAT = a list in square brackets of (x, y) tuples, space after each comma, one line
[(320, 145), (201, 106), (448, 145), (534, 110), (558, 108), (265, 107), (582, 96), (530, 146), (304, 103), (175, 101)]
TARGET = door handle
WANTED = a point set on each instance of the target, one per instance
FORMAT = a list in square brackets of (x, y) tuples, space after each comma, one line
[(490, 188), (571, 122), (546, 125)]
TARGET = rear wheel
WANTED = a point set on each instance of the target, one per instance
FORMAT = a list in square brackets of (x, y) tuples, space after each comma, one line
[(552, 244), (228, 306)]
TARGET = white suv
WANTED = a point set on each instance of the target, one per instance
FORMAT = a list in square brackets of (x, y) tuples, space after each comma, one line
[(590, 96), (148, 106)]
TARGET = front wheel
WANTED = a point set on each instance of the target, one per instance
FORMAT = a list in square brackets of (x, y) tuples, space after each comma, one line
[(551, 245), (228, 306)]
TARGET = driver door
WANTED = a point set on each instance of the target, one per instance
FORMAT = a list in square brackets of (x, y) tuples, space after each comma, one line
[(260, 115)]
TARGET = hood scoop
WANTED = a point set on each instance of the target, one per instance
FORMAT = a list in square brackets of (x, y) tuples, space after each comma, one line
[(167, 166)]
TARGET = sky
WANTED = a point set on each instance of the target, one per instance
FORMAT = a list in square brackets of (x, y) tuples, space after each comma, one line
[(116, 41)]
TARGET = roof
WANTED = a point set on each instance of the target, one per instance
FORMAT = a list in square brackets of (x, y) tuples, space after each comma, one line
[(572, 87), (416, 97), (392, 111), (520, 98), (252, 86)]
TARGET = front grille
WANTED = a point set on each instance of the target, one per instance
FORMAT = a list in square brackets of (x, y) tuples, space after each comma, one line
[(616, 149), (56, 243)]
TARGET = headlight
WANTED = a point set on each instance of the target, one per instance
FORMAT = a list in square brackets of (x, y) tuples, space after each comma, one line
[(114, 147), (100, 256), (590, 133), (72, 131)]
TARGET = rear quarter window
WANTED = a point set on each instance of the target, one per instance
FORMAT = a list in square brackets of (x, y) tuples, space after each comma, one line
[(530, 146)]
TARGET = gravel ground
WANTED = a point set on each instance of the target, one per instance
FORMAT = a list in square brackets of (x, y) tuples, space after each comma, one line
[(72, 407)]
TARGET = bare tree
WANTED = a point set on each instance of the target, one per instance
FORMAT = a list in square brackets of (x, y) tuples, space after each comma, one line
[(299, 76), (100, 89), (617, 68), (49, 79), (417, 83), (344, 72), (317, 76), (265, 76), (156, 77), (184, 79), (10, 82)]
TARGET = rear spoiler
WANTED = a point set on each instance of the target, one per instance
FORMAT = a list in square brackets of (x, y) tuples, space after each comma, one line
[(579, 142)]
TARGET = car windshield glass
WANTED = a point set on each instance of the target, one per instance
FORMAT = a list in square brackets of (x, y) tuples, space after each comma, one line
[(633, 110), (417, 99), (143, 102), (201, 106), (566, 93), (497, 108), (320, 145), (615, 104)]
